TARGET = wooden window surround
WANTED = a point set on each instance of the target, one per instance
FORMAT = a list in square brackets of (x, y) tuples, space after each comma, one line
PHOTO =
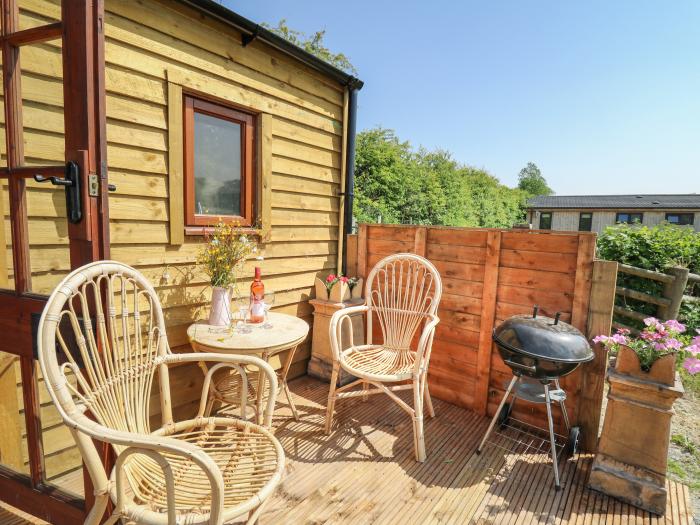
[(179, 87), (239, 125)]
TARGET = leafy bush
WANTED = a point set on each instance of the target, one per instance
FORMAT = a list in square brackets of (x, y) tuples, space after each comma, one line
[(398, 184), (655, 248)]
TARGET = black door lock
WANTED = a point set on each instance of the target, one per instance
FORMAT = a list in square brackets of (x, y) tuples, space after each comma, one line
[(71, 183)]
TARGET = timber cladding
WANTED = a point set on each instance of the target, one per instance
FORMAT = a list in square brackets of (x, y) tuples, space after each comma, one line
[(156, 51), (489, 275)]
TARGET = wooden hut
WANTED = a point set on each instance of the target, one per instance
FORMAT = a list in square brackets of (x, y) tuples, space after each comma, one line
[(123, 89)]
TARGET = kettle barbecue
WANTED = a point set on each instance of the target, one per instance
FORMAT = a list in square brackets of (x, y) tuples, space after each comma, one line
[(539, 350)]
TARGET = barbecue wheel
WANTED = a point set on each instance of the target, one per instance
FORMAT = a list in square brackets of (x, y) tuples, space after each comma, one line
[(572, 443), (504, 416)]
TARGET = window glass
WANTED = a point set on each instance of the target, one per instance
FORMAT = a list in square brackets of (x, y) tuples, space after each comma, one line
[(585, 222), (546, 221), (629, 218), (217, 166), (682, 219)]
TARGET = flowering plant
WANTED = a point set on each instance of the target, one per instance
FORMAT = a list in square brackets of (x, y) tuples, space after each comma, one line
[(225, 251), (657, 340), (332, 279)]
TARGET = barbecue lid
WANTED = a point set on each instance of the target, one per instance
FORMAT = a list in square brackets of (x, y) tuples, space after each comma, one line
[(543, 338)]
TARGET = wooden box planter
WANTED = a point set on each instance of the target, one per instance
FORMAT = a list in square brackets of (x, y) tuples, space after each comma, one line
[(321, 363), (633, 450)]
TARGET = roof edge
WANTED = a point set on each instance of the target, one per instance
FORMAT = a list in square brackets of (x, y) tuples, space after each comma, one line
[(250, 28)]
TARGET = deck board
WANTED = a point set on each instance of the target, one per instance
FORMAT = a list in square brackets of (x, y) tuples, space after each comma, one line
[(365, 473)]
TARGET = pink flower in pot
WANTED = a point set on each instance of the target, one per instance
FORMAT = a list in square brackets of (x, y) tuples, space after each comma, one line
[(656, 340)]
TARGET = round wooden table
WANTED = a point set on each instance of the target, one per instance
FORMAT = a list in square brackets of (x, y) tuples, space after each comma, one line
[(286, 333)]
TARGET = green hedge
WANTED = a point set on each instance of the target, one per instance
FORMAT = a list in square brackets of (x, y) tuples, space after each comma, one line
[(655, 248)]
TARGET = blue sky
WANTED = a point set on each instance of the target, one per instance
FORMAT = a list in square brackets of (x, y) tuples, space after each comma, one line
[(603, 96)]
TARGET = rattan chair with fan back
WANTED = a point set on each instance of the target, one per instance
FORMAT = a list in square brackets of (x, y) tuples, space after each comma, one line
[(102, 343), (402, 294)]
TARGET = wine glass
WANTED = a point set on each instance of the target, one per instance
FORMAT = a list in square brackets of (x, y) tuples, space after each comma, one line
[(241, 314), (268, 301)]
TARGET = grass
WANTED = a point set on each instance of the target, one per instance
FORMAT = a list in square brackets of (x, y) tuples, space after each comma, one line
[(690, 383)]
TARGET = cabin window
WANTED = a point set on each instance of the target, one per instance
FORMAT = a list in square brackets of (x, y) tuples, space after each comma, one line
[(546, 220), (585, 221), (682, 219), (219, 163), (629, 218)]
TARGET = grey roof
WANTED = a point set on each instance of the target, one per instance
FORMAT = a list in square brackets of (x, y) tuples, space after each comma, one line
[(660, 201)]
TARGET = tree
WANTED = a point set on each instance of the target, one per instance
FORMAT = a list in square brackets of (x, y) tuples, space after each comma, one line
[(396, 184), (530, 180), (313, 44)]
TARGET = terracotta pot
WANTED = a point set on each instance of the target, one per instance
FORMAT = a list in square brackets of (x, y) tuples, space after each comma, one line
[(633, 449), (321, 290), (220, 313), (358, 289), (339, 293), (663, 370)]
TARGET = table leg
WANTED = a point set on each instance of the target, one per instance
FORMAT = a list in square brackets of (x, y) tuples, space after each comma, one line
[(261, 390), (283, 381)]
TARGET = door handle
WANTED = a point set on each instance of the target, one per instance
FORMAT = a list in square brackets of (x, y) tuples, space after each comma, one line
[(71, 184)]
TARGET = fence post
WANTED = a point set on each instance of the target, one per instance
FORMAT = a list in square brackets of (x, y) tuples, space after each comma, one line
[(673, 291), (600, 315), (488, 318)]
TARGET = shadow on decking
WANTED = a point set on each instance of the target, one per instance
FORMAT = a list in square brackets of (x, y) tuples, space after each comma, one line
[(365, 472)]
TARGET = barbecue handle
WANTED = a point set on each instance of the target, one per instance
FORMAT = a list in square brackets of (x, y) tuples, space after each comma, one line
[(520, 366)]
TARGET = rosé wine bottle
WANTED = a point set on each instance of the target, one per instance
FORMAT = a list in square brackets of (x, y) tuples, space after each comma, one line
[(257, 294)]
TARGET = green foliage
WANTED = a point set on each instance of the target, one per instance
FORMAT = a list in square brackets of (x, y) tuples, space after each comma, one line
[(312, 44), (531, 181), (396, 184), (655, 248)]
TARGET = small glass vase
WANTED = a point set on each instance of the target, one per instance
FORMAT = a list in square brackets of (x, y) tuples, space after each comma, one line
[(220, 313)]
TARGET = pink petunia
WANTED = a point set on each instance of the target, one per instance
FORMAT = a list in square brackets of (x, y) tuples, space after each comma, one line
[(692, 365), (344, 279), (601, 339), (696, 341), (694, 349), (331, 278), (673, 344), (651, 321), (619, 339), (623, 331), (675, 326)]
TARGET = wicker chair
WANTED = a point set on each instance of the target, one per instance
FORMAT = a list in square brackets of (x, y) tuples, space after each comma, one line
[(402, 293), (101, 343)]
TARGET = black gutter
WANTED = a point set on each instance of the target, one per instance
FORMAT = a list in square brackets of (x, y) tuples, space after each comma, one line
[(252, 31), (349, 190)]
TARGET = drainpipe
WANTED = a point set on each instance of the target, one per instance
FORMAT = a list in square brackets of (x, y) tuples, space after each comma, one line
[(354, 85)]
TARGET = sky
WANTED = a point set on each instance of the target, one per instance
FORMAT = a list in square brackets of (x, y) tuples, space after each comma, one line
[(604, 96)]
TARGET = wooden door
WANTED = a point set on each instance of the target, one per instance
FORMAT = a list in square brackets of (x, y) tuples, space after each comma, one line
[(45, 234)]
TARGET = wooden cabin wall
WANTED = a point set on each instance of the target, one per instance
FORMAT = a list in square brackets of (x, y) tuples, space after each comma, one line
[(149, 44)]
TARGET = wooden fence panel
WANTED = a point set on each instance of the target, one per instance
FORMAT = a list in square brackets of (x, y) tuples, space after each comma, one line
[(489, 275)]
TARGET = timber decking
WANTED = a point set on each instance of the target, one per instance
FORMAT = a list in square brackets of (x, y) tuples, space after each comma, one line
[(365, 472)]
